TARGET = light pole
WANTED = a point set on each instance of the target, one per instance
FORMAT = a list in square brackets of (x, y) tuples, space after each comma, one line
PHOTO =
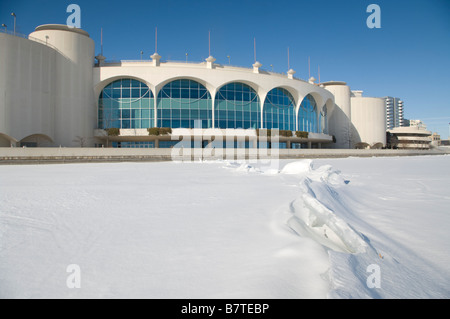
[(5, 26), (14, 15), (46, 39), (142, 52), (229, 59), (186, 57)]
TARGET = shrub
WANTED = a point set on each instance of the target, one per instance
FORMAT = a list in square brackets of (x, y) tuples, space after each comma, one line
[(153, 131), (286, 133), (113, 131), (159, 131), (301, 134), (165, 130)]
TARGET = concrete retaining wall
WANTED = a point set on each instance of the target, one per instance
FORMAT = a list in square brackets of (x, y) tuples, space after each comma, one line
[(71, 155)]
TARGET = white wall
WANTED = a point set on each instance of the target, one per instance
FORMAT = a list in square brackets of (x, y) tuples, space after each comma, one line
[(340, 119), (46, 85), (368, 115), (75, 112), (27, 87)]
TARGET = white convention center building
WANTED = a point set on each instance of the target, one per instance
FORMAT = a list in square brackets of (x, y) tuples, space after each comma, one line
[(54, 91)]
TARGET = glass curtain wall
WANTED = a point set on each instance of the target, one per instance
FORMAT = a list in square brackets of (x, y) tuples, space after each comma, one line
[(184, 104), (237, 106), (279, 110), (307, 115), (126, 103)]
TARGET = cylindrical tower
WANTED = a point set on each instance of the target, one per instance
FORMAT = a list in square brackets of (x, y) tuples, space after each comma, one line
[(27, 88), (369, 119), (75, 115), (340, 124)]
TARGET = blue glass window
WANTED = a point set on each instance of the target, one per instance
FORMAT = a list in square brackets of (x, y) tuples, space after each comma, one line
[(183, 103), (237, 106), (123, 100), (307, 115), (133, 144), (279, 110)]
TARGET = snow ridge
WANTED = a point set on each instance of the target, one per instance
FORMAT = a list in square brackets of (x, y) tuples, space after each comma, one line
[(312, 218), (320, 214)]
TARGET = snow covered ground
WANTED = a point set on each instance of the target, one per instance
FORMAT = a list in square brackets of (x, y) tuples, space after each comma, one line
[(325, 228)]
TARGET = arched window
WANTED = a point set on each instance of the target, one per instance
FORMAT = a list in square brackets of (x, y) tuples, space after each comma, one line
[(126, 103), (307, 115), (237, 106), (279, 110), (184, 103)]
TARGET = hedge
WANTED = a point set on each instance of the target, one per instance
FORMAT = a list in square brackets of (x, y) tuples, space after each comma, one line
[(165, 130), (159, 131), (284, 133), (301, 134), (113, 131)]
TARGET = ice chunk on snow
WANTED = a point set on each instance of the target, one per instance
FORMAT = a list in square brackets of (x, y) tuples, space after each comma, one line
[(325, 173), (312, 219), (298, 167), (248, 168), (328, 174)]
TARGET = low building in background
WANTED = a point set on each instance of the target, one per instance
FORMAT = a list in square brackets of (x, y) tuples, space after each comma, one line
[(435, 139), (412, 137), (418, 123)]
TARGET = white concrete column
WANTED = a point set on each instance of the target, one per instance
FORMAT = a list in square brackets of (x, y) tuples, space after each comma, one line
[(290, 74), (156, 59), (210, 62), (256, 67)]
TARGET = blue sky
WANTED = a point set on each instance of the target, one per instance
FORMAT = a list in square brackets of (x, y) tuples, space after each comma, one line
[(409, 57)]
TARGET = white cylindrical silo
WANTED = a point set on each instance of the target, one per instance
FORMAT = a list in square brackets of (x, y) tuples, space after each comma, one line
[(339, 122), (75, 114), (27, 88), (368, 115)]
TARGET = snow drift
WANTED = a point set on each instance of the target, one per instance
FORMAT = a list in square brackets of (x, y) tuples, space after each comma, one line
[(327, 210)]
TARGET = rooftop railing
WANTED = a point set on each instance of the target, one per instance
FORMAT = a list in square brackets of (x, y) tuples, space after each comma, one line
[(219, 65), (24, 36)]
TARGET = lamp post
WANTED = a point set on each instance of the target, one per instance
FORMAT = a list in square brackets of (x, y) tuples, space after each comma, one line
[(14, 15), (229, 59), (142, 52), (5, 26), (186, 57)]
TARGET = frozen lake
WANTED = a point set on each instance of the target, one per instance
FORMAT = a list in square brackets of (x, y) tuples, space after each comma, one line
[(326, 228)]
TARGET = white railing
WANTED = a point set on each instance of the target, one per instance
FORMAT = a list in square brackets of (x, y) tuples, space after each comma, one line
[(24, 36), (180, 62)]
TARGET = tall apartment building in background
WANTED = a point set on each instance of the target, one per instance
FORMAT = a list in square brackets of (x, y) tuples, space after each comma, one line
[(394, 112)]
